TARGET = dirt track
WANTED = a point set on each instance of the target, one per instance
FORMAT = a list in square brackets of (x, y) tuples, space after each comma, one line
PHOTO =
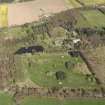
[(26, 12)]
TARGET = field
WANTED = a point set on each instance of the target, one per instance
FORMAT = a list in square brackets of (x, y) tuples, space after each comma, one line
[(3, 15), (91, 18), (92, 2), (27, 15), (21, 13), (54, 101), (94, 17), (74, 3), (5, 99), (80, 3), (52, 76), (44, 66)]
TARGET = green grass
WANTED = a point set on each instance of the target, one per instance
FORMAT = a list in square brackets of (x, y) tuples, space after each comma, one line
[(81, 22), (43, 68), (5, 99), (55, 101), (92, 2), (91, 18), (74, 4), (94, 17)]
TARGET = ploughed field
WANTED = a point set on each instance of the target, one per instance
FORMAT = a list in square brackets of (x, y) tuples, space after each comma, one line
[(21, 13)]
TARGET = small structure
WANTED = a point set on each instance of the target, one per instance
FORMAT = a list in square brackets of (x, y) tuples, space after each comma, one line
[(69, 64), (74, 53), (60, 75), (35, 49), (30, 49)]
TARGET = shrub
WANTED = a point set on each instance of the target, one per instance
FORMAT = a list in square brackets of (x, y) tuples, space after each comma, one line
[(60, 75)]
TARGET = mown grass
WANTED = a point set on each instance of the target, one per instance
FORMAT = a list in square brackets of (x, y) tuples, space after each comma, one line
[(42, 68), (55, 101), (3, 15)]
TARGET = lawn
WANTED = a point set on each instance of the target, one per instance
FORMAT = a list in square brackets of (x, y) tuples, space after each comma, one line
[(41, 68), (5, 99), (3, 15), (55, 101)]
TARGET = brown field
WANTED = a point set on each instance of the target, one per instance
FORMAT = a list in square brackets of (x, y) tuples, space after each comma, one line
[(20, 13)]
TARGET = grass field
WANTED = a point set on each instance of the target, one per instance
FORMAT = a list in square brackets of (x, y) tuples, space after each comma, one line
[(5, 99), (74, 3), (3, 15), (94, 17), (54, 101), (91, 18), (44, 66), (92, 2)]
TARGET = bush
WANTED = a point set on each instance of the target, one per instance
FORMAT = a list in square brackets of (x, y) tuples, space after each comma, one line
[(69, 64), (60, 75)]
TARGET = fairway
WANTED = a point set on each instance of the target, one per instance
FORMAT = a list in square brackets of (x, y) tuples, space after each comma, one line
[(3, 15)]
